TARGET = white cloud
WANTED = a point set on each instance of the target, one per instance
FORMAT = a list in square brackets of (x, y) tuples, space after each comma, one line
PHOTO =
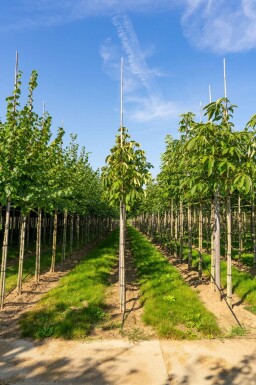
[(221, 26), (27, 14), (152, 108), (213, 25), (143, 102)]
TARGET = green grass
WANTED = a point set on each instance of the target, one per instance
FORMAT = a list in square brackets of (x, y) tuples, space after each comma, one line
[(29, 263), (76, 305), (28, 267), (170, 305)]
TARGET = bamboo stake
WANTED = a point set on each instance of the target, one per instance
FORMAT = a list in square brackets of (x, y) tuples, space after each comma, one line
[(212, 248), (4, 253), (54, 241), (38, 246), (229, 261), (122, 215), (200, 241), (21, 254), (217, 240), (210, 94), (225, 78), (64, 241)]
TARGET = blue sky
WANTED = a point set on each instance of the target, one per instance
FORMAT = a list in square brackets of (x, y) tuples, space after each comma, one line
[(172, 49)]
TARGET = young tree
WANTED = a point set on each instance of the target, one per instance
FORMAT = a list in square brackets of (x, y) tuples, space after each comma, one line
[(123, 178)]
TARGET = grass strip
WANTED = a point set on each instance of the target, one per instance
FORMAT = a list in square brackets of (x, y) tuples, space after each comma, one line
[(76, 305), (29, 267), (170, 305), (244, 284)]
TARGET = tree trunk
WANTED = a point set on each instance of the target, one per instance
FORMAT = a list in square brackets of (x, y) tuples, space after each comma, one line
[(254, 236), (200, 242), (189, 239), (217, 240), (71, 234), (122, 258), (212, 247), (78, 231), (4, 253), (21, 254), (38, 245), (54, 241), (229, 261), (176, 234), (64, 241), (181, 232), (28, 231), (240, 239), (12, 225)]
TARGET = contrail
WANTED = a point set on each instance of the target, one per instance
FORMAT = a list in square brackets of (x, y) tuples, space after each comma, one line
[(133, 50)]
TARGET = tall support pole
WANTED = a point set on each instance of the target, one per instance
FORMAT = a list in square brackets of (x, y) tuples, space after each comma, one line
[(210, 94), (225, 78), (121, 101), (122, 216)]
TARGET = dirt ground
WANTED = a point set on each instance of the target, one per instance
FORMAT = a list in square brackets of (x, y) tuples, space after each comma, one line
[(133, 356)]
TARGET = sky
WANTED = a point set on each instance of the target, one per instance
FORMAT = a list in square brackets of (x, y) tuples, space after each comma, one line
[(172, 50)]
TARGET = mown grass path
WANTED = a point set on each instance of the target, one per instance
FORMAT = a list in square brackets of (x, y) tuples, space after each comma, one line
[(71, 308), (170, 305)]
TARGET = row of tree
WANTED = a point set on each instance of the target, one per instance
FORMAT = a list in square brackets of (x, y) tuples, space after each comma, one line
[(38, 174), (210, 163)]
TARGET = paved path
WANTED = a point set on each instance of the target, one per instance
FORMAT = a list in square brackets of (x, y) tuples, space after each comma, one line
[(116, 362)]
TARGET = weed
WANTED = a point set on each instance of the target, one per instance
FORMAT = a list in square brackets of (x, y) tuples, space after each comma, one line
[(135, 334), (45, 331), (237, 331)]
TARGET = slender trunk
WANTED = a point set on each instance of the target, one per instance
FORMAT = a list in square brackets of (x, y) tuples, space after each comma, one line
[(1, 216), (240, 239), (254, 236), (171, 229), (38, 245), (78, 231), (189, 239), (122, 259), (217, 240), (21, 254), (54, 241), (4, 253), (212, 247), (176, 235), (71, 234), (200, 241), (51, 232), (12, 225), (64, 241), (181, 232), (229, 261), (44, 229), (27, 232)]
